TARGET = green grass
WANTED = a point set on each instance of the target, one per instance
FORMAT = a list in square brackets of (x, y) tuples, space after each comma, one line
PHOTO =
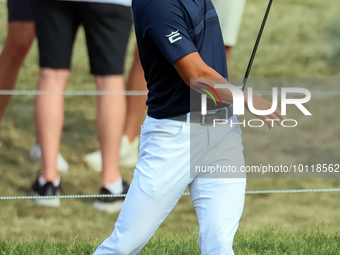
[(269, 241), (301, 39)]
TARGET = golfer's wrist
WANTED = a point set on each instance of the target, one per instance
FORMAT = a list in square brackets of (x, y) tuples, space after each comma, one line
[(245, 96)]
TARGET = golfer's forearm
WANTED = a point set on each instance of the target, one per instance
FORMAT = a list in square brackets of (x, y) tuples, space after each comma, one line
[(211, 80), (191, 66)]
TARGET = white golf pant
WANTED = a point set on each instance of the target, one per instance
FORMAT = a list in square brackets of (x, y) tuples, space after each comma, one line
[(161, 176)]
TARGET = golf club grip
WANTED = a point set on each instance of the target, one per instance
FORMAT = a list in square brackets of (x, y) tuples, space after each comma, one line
[(256, 45)]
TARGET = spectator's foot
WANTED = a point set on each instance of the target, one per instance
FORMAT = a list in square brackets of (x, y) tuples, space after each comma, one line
[(128, 155), (111, 204), (35, 155), (93, 161), (48, 189)]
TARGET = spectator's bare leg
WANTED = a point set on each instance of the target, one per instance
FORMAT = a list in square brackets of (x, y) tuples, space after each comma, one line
[(50, 118), (19, 40), (136, 106), (111, 111)]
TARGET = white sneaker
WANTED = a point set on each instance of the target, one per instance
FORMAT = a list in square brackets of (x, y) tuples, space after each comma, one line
[(128, 155), (129, 152), (93, 161), (35, 156)]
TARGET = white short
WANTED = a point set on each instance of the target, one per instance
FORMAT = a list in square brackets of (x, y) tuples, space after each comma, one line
[(162, 175), (230, 14)]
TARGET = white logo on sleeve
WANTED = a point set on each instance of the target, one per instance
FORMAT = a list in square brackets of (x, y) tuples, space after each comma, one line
[(174, 36)]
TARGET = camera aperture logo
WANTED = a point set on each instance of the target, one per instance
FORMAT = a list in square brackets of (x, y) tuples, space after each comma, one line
[(238, 104), (204, 97)]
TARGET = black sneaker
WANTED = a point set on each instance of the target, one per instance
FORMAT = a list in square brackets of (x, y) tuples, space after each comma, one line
[(47, 190), (111, 204)]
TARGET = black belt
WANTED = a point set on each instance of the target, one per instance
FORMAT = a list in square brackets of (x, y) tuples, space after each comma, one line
[(208, 119)]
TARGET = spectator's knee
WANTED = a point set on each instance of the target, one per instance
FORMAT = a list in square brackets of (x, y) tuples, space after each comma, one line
[(53, 79), (17, 50), (55, 74), (109, 82)]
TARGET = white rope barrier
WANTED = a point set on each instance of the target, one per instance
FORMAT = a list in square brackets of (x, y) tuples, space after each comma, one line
[(184, 194), (73, 93), (135, 92)]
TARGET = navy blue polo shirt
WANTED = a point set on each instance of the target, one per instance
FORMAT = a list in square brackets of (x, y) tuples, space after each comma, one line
[(167, 30)]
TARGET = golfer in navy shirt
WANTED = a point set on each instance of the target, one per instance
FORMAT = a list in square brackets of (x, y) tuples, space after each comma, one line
[(179, 40)]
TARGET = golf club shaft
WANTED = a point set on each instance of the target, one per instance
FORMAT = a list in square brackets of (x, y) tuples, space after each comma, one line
[(256, 45)]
